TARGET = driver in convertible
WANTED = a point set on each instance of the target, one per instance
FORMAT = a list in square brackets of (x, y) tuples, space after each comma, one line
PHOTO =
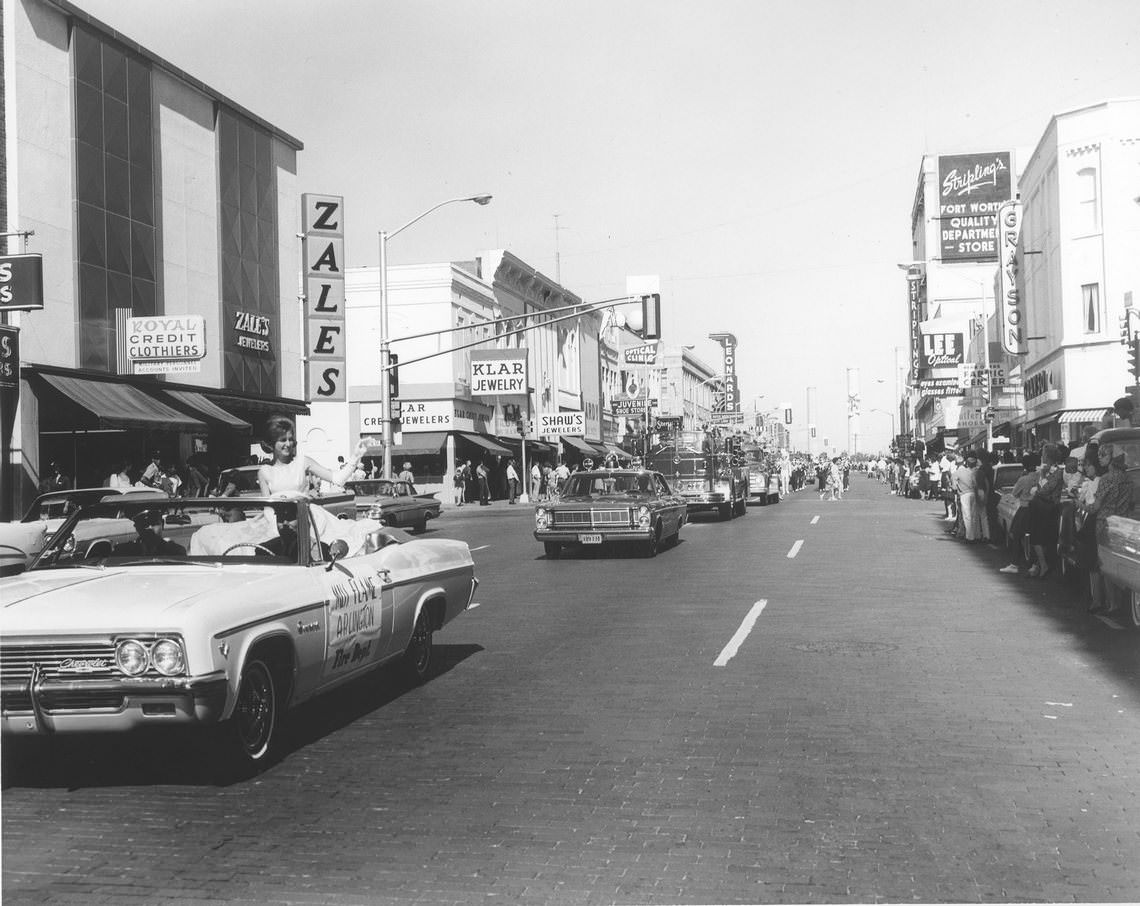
[(150, 543)]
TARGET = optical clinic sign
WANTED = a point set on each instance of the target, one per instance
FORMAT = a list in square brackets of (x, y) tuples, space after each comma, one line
[(942, 349), (498, 372), (971, 189)]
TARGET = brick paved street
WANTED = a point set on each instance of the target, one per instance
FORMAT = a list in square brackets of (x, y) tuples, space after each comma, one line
[(902, 723)]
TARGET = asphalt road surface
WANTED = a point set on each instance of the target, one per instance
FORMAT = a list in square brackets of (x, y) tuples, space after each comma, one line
[(816, 702)]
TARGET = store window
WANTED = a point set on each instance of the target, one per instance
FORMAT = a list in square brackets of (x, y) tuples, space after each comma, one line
[(1088, 217), (115, 196), (1090, 302)]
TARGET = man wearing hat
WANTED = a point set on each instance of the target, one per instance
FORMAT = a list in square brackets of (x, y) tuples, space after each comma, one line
[(150, 543)]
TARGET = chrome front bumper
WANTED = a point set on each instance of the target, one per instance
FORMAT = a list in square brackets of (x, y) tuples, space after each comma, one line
[(40, 706)]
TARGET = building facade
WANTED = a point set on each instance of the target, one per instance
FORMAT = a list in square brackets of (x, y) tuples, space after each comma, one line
[(165, 214), (1079, 269)]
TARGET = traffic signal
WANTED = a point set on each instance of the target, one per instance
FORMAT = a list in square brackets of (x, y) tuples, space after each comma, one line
[(651, 317), (787, 416), (1134, 358), (393, 376), (1126, 326)]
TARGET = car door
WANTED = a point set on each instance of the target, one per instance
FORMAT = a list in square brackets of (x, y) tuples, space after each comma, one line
[(358, 606)]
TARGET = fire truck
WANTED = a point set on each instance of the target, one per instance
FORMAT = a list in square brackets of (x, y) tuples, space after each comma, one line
[(708, 470)]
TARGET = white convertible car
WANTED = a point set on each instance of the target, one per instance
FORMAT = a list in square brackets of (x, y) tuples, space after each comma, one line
[(221, 612)]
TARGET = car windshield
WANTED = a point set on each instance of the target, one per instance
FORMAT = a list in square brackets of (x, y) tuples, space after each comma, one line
[(1006, 477), (373, 487), (63, 504), (1131, 450), (132, 532), (596, 484)]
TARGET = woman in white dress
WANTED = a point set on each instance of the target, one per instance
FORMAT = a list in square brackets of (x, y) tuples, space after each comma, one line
[(288, 474), (288, 477)]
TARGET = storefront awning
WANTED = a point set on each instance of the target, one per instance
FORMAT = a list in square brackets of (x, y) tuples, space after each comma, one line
[(211, 411), (485, 442), (579, 444), (417, 443), (1077, 416), (618, 452), (117, 405)]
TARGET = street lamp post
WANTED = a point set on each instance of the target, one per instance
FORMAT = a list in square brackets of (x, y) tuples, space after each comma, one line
[(385, 341)]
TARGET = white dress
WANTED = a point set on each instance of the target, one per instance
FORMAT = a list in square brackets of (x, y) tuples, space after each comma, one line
[(290, 480)]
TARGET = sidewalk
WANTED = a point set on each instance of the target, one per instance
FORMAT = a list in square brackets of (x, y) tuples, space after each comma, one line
[(497, 507)]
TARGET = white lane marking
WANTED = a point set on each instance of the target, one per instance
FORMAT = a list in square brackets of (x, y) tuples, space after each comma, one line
[(795, 548), (814, 520), (737, 640), (481, 547)]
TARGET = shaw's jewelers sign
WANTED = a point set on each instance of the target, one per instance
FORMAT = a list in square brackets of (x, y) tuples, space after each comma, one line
[(971, 188), (498, 372)]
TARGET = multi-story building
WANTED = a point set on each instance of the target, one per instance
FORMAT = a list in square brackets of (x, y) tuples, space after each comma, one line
[(1079, 268), (165, 214), (950, 287), (442, 317)]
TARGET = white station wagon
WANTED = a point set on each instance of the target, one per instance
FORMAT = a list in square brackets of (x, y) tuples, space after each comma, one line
[(221, 612)]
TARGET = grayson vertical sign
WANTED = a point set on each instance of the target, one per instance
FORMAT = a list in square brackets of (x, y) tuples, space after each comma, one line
[(1011, 311), (326, 377)]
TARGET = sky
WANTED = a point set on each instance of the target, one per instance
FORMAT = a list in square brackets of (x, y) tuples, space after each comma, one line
[(760, 157)]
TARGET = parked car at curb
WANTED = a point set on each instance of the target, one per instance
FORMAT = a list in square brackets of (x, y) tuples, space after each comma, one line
[(1119, 551), (222, 614), (393, 502), (609, 506), (21, 541)]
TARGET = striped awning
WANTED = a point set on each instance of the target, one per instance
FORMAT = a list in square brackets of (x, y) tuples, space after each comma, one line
[(1077, 416), (121, 405)]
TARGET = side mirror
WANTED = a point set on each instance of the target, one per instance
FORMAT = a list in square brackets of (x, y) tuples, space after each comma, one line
[(338, 550)]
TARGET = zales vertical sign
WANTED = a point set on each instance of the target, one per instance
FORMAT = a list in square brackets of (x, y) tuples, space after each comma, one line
[(326, 377), (1011, 311)]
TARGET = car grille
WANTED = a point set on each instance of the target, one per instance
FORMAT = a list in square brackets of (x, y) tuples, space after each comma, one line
[(76, 661), (592, 518)]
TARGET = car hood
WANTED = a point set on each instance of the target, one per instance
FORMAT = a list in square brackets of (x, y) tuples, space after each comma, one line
[(76, 600)]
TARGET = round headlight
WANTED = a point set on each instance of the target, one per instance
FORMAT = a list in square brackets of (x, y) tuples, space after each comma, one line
[(643, 516), (168, 657), (131, 657), (540, 518)]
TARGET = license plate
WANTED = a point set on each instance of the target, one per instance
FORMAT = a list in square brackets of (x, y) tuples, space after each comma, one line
[(594, 538)]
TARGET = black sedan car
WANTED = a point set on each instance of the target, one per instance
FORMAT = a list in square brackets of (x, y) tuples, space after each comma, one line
[(393, 502), (608, 506)]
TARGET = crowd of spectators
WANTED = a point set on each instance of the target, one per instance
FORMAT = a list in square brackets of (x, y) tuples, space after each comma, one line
[(1060, 505)]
